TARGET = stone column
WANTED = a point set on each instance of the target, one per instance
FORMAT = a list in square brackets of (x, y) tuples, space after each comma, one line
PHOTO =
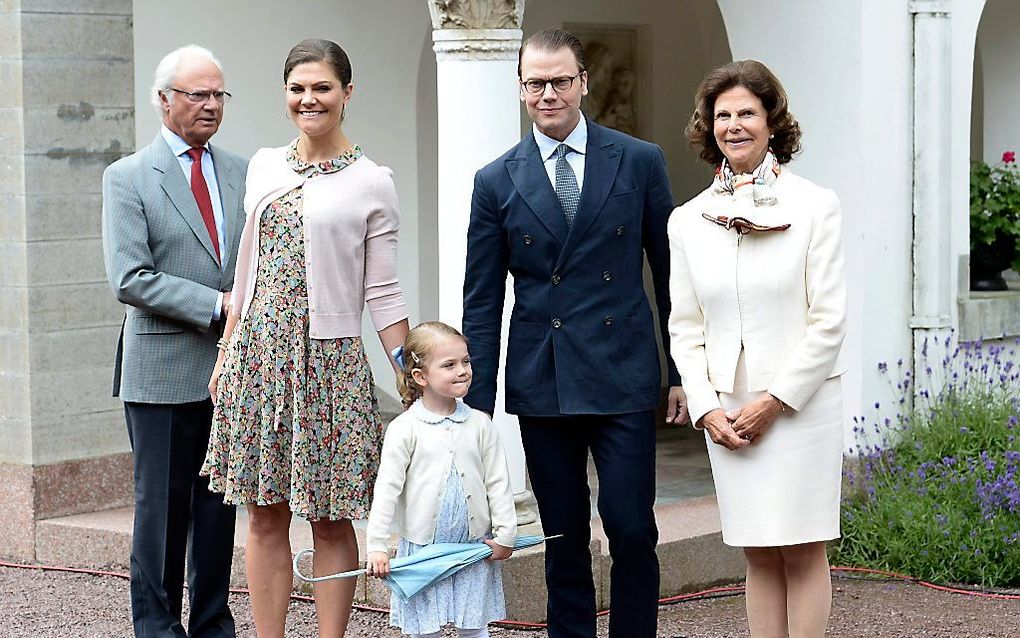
[(476, 44), (66, 112), (933, 287)]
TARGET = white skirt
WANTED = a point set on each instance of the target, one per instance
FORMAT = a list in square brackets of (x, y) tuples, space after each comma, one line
[(784, 488)]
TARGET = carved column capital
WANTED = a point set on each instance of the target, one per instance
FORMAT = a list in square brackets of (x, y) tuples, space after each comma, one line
[(476, 14), (476, 44)]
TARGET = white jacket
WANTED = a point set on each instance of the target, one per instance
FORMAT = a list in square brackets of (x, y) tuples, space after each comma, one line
[(779, 295), (418, 453)]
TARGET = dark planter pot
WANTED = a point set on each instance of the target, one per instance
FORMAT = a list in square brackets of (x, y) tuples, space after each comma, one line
[(987, 261)]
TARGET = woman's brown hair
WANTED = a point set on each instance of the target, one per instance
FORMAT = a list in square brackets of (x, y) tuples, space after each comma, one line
[(756, 78), (417, 350), (319, 50)]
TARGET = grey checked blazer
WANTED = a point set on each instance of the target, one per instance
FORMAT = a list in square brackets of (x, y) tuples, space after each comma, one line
[(161, 264)]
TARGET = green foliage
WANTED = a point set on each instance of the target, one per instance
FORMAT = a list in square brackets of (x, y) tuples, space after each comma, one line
[(939, 499), (995, 203)]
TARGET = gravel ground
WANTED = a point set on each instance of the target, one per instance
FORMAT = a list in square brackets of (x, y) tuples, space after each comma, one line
[(50, 604)]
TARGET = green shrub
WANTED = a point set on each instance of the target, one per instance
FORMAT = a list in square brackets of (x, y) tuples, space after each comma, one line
[(938, 497)]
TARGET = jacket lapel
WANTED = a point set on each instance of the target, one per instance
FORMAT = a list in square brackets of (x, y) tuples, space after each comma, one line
[(532, 182), (175, 185), (230, 181), (601, 163)]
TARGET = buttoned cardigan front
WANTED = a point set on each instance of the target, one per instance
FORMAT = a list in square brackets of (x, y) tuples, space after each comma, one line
[(350, 223), (419, 452)]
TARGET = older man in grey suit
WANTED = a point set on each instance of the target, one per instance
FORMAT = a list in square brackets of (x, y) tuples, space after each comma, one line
[(172, 218)]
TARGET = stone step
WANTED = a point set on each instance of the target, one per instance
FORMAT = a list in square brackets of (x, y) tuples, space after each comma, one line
[(691, 554)]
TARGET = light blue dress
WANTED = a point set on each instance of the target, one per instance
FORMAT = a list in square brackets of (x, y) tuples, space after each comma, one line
[(471, 598)]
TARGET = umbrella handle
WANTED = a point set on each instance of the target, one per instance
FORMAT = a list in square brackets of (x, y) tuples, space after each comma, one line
[(319, 579)]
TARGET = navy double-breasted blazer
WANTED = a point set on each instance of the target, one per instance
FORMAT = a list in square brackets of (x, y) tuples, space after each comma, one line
[(581, 338)]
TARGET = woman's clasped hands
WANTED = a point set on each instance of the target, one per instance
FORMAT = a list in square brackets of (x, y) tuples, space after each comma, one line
[(739, 428)]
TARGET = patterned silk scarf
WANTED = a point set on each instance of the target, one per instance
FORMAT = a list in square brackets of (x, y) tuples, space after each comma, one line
[(756, 185)]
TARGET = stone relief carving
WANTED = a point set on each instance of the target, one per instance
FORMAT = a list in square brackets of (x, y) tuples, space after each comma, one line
[(476, 14), (614, 70)]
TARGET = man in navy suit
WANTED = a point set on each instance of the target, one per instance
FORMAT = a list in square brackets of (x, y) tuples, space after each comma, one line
[(570, 212)]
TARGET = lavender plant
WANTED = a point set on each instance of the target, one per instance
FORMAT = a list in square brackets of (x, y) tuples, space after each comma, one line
[(935, 491)]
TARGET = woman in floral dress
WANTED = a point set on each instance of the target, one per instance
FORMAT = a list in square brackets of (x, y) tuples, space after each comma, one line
[(296, 429)]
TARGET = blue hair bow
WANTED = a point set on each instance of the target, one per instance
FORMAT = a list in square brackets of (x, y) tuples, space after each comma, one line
[(398, 356)]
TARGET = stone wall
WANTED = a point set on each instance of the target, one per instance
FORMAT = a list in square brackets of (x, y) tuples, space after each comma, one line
[(66, 112)]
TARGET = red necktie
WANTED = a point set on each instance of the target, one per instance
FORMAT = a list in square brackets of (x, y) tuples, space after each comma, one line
[(201, 191)]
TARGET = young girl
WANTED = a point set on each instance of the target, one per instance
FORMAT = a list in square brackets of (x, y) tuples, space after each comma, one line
[(443, 479)]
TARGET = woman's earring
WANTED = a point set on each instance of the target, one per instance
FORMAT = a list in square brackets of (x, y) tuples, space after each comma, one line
[(772, 136)]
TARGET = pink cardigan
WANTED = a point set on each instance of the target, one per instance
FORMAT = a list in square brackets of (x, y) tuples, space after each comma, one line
[(350, 229)]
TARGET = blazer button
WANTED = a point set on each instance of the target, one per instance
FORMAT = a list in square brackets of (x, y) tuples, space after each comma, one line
[(555, 280), (607, 275), (620, 230), (608, 320), (527, 240), (556, 323)]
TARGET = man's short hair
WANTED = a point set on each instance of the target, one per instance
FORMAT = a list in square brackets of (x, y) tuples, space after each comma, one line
[(166, 71), (553, 40)]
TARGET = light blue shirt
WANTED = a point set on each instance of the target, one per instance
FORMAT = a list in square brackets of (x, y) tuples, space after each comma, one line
[(180, 148), (577, 141)]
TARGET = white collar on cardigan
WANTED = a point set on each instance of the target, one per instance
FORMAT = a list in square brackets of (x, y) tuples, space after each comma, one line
[(460, 413)]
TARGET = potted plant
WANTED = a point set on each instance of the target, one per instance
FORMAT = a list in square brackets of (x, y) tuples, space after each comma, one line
[(994, 222)]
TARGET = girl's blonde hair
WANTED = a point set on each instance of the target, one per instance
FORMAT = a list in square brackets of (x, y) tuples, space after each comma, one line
[(418, 348)]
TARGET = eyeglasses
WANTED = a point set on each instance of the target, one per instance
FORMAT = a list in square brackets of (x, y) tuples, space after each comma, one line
[(200, 97), (743, 225), (560, 84)]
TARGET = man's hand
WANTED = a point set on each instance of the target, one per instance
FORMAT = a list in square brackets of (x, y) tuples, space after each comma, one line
[(377, 564), (499, 552), (721, 430), (227, 305), (676, 406)]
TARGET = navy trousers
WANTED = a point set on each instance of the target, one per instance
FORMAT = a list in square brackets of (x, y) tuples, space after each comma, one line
[(176, 516), (623, 448)]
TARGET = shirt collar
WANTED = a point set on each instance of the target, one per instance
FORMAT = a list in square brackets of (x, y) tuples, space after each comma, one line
[(460, 413), (177, 145), (577, 140)]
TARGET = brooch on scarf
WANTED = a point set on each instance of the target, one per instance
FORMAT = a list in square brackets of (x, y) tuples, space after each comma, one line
[(742, 225)]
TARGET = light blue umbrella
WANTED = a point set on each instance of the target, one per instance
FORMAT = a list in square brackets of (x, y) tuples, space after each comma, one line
[(411, 574)]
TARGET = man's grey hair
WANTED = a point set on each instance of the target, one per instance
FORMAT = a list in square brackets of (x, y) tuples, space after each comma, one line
[(166, 71)]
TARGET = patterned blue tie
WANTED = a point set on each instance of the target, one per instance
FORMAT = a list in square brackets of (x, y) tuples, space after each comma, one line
[(566, 185)]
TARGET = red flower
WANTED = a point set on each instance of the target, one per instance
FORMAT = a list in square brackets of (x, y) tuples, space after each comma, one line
[(1009, 157)]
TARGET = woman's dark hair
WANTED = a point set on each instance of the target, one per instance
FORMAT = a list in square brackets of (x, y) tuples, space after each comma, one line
[(317, 50), (554, 40), (756, 78)]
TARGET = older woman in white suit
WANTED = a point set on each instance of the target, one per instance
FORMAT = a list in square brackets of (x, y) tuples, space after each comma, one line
[(757, 321)]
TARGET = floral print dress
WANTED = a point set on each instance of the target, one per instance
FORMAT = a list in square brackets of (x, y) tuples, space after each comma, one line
[(296, 419)]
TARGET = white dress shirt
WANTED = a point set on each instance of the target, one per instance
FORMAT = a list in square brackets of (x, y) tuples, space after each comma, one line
[(577, 141), (180, 148)]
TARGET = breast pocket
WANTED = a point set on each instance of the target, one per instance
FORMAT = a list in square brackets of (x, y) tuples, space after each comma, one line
[(149, 325)]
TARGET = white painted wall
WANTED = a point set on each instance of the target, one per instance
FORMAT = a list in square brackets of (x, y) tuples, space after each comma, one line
[(999, 43), (966, 17), (392, 113)]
